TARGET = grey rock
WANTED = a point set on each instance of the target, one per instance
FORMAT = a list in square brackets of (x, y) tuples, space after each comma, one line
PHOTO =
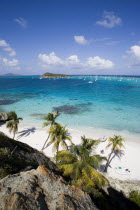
[(41, 189)]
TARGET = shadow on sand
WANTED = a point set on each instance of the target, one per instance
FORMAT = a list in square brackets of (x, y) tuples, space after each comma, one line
[(115, 154), (26, 132)]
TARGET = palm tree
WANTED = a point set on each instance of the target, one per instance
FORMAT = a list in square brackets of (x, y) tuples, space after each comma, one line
[(12, 125), (50, 121), (116, 143), (80, 166), (58, 136)]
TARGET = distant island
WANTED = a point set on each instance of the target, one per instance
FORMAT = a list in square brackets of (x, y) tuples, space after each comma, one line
[(10, 75), (48, 75)]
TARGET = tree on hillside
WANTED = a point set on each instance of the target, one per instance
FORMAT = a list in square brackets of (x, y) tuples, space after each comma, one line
[(58, 136), (80, 166), (50, 121), (12, 125), (116, 143)]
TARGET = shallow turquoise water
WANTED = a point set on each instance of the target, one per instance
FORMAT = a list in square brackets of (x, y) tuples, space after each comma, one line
[(105, 102)]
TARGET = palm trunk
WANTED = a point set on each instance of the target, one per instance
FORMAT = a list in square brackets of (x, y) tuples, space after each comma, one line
[(111, 159), (67, 147), (45, 142), (14, 135), (47, 138), (108, 161)]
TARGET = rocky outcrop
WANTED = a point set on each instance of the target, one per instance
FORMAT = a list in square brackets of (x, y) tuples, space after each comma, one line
[(125, 186), (16, 156), (41, 189), (34, 183)]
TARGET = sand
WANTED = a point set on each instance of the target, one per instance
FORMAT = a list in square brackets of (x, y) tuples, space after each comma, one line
[(36, 136)]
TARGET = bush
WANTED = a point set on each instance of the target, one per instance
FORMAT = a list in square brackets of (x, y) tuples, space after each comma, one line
[(135, 197)]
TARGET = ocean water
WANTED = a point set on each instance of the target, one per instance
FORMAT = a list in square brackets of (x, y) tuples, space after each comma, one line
[(91, 101)]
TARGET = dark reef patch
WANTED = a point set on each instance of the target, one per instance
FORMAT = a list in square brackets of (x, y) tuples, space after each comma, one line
[(7, 102), (73, 109)]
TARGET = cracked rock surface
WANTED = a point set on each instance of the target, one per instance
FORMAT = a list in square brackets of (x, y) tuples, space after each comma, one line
[(41, 189)]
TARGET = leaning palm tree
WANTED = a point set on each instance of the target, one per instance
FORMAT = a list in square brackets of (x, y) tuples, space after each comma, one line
[(80, 165), (50, 121), (12, 125), (116, 143), (58, 136)]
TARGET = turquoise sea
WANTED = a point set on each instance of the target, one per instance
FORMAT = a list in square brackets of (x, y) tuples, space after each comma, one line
[(105, 102)]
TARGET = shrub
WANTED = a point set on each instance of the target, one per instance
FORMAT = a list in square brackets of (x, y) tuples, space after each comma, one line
[(135, 197)]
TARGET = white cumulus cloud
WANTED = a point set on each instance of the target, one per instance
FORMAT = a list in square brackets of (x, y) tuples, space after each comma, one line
[(81, 40), (50, 59), (21, 21), (73, 62), (99, 63), (73, 59), (135, 50), (134, 56), (109, 20), (10, 63), (13, 62), (3, 43), (6, 47)]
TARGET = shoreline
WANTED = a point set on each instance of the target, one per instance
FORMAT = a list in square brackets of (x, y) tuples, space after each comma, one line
[(35, 136)]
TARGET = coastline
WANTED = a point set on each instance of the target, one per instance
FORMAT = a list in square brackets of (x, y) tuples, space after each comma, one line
[(35, 136)]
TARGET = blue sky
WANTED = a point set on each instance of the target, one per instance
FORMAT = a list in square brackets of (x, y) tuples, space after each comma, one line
[(70, 36)]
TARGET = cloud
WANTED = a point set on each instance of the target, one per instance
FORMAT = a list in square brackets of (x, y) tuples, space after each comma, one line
[(99, 63), (3, 43), (135, 51), (13, 62), (81, 40), (21, 21), (9, 63), (6, 47), (109, 20), (133, 56), (51, 61), (73, 59)]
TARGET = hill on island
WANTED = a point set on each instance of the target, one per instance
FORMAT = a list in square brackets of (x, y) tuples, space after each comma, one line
[(9, 75), (48, 75)]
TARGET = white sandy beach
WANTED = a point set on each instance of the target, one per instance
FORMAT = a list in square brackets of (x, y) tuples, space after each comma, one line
[(36, 136)]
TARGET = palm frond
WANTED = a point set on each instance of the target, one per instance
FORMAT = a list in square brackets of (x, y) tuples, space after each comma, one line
[(65, 157), (96, 160), (45, 124)]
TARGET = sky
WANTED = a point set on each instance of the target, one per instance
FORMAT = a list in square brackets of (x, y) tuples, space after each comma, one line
[(70, 36)]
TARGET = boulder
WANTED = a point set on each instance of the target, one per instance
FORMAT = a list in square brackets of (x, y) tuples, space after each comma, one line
[(41, 189)]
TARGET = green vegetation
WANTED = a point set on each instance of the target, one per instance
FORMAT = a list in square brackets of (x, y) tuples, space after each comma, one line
[(10, 164), (135, 197), (50, 121), (47, 75), (16, 156), (80, 166), (116, 143), (58, 136), (12, 125), (5, 141)]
